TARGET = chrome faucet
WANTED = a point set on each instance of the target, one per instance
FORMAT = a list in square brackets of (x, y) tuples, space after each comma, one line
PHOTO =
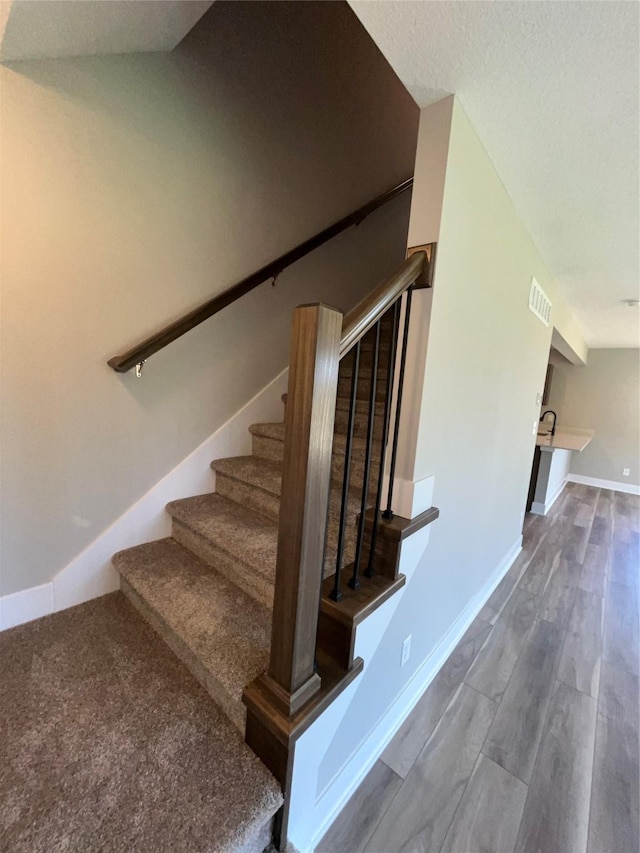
[(555, 417)]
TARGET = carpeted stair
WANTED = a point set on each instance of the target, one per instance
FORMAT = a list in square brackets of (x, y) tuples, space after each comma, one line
[(208, 590)]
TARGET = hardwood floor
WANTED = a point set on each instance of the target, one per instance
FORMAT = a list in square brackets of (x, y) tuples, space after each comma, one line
[(528, 738)]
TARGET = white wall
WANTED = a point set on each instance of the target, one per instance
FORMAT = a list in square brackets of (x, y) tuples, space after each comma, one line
[(135, 187), (603, 396), (475, 402)]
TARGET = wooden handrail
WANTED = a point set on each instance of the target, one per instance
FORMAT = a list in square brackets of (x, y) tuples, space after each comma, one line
[(367, 313), (159, 340), (320, 336)]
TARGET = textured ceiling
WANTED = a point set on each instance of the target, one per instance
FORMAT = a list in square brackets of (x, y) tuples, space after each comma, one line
[(36, 29), (552, 89)]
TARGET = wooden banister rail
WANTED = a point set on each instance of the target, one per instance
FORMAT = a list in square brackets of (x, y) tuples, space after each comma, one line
[(138, 354), (367, 312), (320, 337), (314, 624)]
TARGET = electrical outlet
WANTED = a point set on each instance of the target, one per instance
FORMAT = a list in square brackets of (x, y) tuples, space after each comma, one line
[(534, 429), (625, 472), (538, 399), (406, 650)]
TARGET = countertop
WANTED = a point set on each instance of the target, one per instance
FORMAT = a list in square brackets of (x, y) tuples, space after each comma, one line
[(566, 438)]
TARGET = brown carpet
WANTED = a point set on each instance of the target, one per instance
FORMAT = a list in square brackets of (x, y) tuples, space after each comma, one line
[(108, 743)]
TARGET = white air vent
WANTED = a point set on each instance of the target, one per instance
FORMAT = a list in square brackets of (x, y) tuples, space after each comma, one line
[(539, 302)]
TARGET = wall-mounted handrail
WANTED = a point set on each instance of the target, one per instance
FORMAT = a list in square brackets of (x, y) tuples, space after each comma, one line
[(151, 345)]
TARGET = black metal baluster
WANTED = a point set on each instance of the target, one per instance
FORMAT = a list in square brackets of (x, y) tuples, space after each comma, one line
[(391, 369), (354, 582), (388, 513), (335, 594)]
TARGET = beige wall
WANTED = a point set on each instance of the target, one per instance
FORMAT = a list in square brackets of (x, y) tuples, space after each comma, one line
[(133, 188), (603, 396), (485, 364), (475, 403)]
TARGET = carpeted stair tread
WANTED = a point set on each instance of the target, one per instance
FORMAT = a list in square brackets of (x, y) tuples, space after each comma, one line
[(275, 432), (115, 747), (267, 475), (256, 476), (244, 534), (220, 632)]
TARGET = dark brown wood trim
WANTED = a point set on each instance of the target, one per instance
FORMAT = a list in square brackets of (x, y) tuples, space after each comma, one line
[(356, 604), (399, 528), (275, 731), (339, 619), (306, 478)]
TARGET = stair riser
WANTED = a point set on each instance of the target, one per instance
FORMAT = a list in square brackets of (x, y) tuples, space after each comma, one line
[(362, 406), (364, 373), (366, 363), (238, 572), (234, 709), (267, 448), (247, 495), (361, 422)]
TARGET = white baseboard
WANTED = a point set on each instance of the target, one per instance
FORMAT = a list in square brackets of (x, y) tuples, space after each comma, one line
[(614, 485), (28, 604), (91, 573), (374, 745), (539, 508)]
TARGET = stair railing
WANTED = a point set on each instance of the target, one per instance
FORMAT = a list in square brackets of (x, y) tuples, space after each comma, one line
[(320, 337), (138, 355)]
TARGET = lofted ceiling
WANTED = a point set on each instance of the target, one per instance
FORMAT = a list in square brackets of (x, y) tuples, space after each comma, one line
[(552, 89), (39, 29)]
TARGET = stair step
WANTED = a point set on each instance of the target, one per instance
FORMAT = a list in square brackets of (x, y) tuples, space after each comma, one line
[(219, 632), (361, 422), (256, 483), (251, 482), (275, 432), (239, 543), (363, 389), (362, 414), (268, 444), (364, 373)]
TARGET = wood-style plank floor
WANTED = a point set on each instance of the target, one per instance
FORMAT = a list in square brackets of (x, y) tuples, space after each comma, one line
[(528, 737)]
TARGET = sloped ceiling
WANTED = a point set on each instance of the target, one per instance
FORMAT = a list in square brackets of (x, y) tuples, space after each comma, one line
[(552, 89), (39, 29)]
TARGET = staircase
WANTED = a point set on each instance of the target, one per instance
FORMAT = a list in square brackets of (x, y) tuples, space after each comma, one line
[(208, 590)]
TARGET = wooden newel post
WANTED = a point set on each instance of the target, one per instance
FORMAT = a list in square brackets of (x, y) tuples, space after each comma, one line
[(306, 478)]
